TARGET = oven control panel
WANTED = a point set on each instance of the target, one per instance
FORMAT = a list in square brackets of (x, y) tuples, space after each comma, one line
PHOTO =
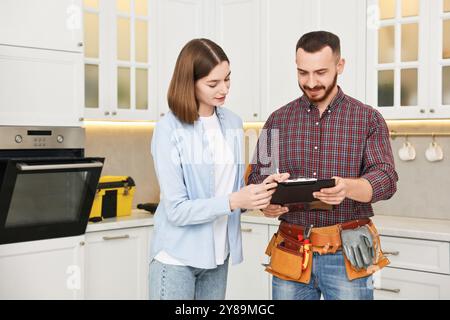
[(45, 138)]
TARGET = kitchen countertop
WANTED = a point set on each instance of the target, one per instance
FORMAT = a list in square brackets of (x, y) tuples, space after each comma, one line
[(138, 218), (430, 229)]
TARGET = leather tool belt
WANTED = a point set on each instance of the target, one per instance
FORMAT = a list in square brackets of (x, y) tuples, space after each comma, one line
[(287, 254)]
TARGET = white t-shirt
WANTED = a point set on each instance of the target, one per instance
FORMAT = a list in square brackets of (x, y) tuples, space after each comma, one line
[(225, 173)]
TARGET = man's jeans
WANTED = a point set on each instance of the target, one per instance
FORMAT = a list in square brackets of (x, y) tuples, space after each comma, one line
[(328, 277), (172, 282)]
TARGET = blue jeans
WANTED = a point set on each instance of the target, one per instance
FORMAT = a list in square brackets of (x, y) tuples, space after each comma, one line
[(328, 277), (171, 282)]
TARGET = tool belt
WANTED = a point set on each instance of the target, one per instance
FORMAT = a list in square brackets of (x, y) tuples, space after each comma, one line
[(291, 259)]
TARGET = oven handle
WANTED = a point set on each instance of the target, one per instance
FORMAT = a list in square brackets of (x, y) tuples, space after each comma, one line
[(26, 167)]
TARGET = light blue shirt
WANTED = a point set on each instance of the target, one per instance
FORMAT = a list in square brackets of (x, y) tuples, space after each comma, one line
[(188, 205)]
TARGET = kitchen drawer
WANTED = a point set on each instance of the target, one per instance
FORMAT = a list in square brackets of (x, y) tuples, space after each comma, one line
[(415, 254), (393, 284)]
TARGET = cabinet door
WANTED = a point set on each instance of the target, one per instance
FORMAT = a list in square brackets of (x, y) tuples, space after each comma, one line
[(394, 284), (346, 19), (47, 24), (239, 26), (40, 87), (44, 269), (248, 280), (178, 22), (417, 254), (117, 264), (285, 22)]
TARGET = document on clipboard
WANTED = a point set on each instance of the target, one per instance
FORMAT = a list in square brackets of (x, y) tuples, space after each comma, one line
[(299, 190)]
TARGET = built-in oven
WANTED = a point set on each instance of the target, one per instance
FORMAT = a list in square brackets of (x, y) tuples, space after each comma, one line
[(47, 186)]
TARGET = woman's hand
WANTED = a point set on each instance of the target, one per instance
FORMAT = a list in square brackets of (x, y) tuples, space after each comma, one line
[(275, 210), (253, 196), (277, 177)]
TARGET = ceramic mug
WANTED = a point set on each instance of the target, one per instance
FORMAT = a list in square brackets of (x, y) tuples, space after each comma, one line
[(407, 152), (434, 152)]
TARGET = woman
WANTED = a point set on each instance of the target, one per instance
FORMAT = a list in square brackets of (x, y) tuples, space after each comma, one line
[(197, 149)]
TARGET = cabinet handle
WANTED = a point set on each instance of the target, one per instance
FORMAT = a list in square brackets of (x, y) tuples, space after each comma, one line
[(387, 290), (80, 44), (106, 113), (422, 110), (116, 238), (82, 243), (247, 230), (392, 253), (431, 110), (255, 115), (80, 119), (162, 114), (114, 113)]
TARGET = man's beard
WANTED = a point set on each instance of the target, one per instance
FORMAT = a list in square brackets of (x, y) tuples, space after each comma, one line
[(328, 91)]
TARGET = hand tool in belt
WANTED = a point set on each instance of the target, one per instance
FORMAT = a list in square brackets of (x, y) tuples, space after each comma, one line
[(306, 243)]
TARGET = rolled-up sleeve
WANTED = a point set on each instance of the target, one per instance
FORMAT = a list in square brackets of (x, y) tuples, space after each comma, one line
[(378, 161)]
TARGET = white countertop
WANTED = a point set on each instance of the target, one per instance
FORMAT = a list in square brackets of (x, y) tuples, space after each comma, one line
[(138, 218), (430, 229)]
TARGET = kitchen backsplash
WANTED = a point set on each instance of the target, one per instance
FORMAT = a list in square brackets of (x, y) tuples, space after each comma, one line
[(127, 152), (423, 187)]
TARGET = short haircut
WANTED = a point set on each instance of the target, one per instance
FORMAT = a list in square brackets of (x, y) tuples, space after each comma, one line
[(317, 40), (195, 61)]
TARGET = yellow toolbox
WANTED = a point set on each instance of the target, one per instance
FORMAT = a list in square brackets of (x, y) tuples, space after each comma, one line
[(114, 197)]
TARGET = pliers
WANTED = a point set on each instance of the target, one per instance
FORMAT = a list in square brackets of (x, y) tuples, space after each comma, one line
[(306, 246)]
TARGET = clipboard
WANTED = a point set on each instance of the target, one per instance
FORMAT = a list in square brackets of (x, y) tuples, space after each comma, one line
[(299, 190)]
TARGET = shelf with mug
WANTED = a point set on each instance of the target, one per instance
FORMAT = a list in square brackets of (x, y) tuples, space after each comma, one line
[(395, 134), (407, 152)]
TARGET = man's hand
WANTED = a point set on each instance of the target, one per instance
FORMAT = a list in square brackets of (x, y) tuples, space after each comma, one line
[(274, 211), (358, 189), (334, 195)]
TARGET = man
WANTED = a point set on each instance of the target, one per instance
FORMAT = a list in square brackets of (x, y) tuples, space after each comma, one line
[(326, 134)]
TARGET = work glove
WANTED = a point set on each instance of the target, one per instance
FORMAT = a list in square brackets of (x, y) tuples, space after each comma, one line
[(358, 246)]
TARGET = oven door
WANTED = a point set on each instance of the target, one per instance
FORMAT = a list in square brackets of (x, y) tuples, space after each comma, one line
[(46, 198)]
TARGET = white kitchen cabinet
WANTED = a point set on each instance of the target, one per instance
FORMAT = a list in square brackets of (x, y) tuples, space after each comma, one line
[(283, 25), (417, 254), (178, 21), (260, 38), (391, 284), (121, 82), (240, 34), (43, 269), (407, 58), (170, 25), (117, 264), (40, 87), (45, 24), (248, 280), (419, 269)]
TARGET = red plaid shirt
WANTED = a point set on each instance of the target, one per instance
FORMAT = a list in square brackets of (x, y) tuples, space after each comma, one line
[(350, 140)]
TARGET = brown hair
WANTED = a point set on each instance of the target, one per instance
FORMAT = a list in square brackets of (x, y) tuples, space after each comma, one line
[(195, 61), (315, 41)]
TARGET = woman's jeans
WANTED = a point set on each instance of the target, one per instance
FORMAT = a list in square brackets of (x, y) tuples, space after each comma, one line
[(172, 282), (328, 277)]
